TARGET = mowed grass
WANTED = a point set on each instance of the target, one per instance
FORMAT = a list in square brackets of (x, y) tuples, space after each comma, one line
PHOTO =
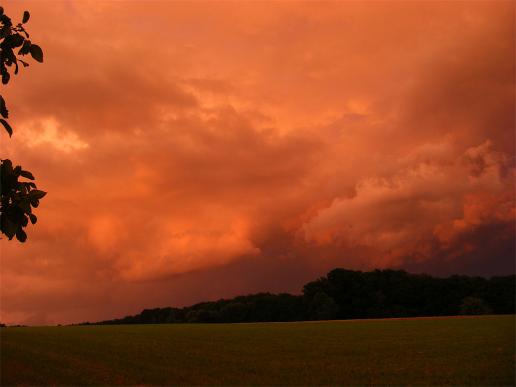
[(437, 351)]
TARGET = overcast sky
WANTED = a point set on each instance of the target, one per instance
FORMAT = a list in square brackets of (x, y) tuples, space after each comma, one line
[(193, 151)]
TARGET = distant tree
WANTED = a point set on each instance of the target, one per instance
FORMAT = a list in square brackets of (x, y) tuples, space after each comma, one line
[(351, 294), (501, 294), (194, 316), (474, 306), (16, 197), (323, 307), (209, 316), (148, 316), (234, 312)]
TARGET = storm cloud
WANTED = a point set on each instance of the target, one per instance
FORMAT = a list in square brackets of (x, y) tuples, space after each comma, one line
[(194, 151)]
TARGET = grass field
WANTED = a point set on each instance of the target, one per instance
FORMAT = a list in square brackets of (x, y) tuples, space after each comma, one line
[(451, 351)]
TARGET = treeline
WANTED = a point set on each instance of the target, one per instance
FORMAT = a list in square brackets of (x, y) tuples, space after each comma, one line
[(348, 294)]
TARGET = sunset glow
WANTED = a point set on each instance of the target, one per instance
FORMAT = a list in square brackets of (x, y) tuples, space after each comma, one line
[(199, 150)]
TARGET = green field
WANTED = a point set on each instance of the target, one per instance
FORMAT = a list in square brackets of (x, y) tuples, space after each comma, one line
[(451, 351)]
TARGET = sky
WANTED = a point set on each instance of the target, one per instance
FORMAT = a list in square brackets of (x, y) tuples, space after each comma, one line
[(193, 151)]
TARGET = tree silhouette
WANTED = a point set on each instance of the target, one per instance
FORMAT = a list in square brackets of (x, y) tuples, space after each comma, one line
[(17, 197), (323, 307), (474, 306)]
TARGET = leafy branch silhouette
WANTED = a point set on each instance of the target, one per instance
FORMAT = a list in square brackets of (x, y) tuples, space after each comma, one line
[(17, 198)]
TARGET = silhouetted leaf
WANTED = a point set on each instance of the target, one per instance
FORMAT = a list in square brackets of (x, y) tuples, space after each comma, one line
[(37, 194), (27, 174), (25, 49), (7, 126), (36, 52), (21, 236), (33, 218), (3, 108), (15, 40), (26, 17), (8, 227), (5, 77)]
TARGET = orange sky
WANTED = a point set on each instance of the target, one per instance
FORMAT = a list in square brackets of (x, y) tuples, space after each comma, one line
[(194, 151)]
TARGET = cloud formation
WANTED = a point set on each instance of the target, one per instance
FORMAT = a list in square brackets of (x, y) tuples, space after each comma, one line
[(195, 151)]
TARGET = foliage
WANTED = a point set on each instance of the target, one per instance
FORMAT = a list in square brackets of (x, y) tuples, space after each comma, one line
[(16, 197), (348, 294), (323, 307), (474, 306), (396, 293)]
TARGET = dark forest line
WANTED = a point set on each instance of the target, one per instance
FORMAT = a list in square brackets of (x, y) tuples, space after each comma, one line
[(349, 294)]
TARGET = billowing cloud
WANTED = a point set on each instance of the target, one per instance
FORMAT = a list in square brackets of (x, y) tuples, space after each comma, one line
[(429, 201), (194, 151)]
